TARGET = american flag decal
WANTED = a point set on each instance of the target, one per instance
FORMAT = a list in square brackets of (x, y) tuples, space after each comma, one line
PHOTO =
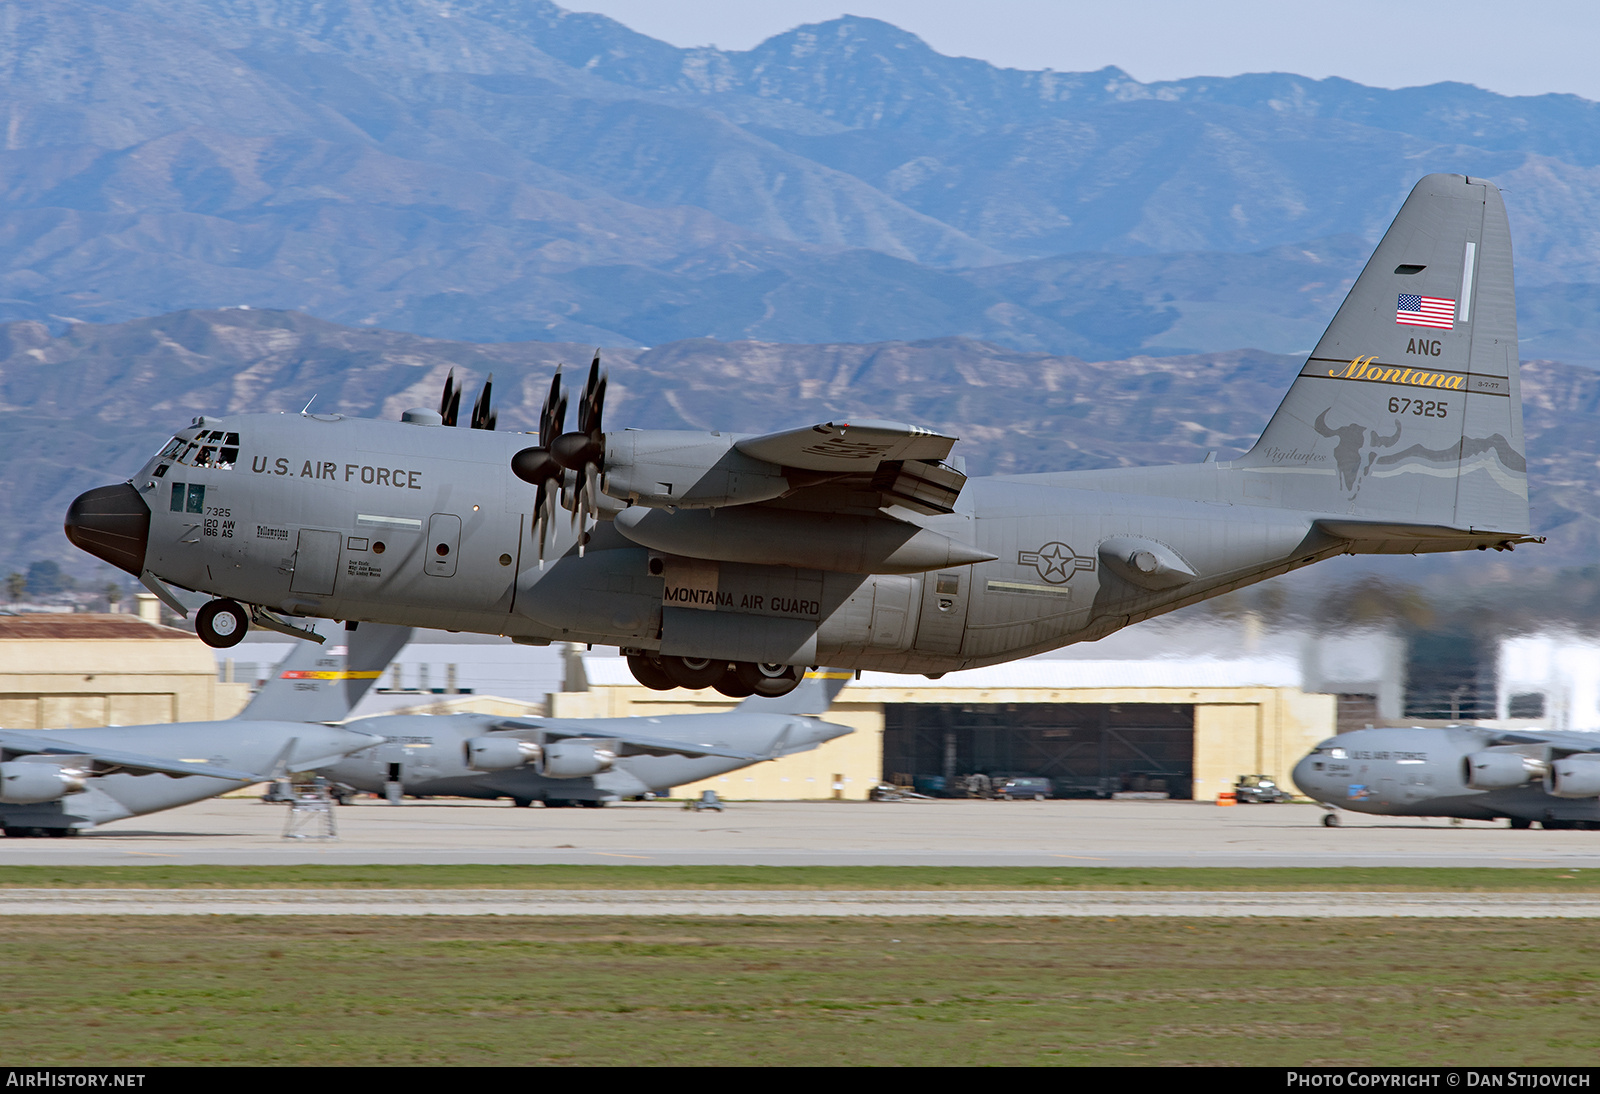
[(1425, 311)]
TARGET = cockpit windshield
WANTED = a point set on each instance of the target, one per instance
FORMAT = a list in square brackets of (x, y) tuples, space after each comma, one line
[(210, 448)]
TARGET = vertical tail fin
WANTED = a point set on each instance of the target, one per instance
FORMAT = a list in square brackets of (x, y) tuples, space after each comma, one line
[(1409, 409), (814, 694), (324, 684)]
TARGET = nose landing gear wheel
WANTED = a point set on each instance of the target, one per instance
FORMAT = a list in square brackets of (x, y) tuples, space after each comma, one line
[(221, 624), (1330, 820)]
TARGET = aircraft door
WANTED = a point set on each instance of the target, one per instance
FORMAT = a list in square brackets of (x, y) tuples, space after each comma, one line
[(944, 610), (444, 545), (892, 612), (316, 563)]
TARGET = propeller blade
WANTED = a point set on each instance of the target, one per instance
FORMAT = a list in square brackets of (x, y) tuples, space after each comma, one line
[(594, 400), (482, 416), (553, 417), (450, 400)]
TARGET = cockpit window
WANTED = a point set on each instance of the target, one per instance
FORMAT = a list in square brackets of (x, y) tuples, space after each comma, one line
[(210, 448)]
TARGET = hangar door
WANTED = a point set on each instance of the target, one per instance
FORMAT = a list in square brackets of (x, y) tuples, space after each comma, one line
[(1085, 749)]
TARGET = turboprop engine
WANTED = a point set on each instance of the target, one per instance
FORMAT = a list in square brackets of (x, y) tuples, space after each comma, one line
[(500, 753), (577, 759), (1575, 777), (1501, 769), (25, 783)]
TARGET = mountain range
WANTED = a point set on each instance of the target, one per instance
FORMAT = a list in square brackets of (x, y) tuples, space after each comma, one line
[(505, 170)]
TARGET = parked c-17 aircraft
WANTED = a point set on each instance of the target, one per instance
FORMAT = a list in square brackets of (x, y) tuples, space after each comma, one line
[(1524, 775), (735, 560), (61, 782), (584, 761)]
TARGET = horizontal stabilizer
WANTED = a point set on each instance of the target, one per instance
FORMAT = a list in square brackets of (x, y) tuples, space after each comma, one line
[(847, 447), (1390, 538)]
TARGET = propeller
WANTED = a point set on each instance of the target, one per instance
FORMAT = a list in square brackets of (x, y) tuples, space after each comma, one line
[(450, 401), (583, 451), (483, 417), (536, 465)]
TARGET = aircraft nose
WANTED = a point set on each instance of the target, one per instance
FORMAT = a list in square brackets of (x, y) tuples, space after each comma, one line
[(111, 523), (1307, 779)]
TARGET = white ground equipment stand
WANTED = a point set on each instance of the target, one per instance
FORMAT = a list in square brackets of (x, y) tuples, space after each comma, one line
[(311, 812)]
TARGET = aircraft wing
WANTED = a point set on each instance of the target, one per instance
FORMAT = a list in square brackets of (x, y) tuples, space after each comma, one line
[(632, 744), (902, 462), (847, 446), (109, 761), (1565, 740)]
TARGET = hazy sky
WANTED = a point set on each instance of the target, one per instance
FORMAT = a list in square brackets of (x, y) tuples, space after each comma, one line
[(1516, 51)]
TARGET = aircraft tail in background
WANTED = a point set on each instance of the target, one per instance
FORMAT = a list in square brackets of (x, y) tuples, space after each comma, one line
[(813, 695), (317, 684)]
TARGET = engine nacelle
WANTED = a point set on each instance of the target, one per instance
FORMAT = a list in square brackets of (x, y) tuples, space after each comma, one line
[(1494, 769), (23, 783), (500, 753), (576, 759), (1575, 777)]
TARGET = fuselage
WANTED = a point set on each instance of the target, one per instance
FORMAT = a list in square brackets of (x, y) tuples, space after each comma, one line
[(1421, 772), (427, 754), (355, 519)]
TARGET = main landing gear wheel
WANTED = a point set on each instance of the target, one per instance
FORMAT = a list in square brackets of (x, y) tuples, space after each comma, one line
[(221, 624), (693, 672), (731, 684), (1520, 823), (768, 680), (648, 671)]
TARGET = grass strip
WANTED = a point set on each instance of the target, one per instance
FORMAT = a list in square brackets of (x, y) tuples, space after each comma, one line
[(647, 992), (468, 876)]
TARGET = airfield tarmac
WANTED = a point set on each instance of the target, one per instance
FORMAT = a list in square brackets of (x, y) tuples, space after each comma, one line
[(244, 831)]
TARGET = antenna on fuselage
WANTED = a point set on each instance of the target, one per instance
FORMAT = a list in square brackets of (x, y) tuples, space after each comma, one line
[(307, 407)]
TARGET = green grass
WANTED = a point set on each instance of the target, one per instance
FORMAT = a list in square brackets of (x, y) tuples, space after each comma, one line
[(1393, 879), (484, 990)]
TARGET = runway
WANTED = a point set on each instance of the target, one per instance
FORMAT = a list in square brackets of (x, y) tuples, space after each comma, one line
[(799, 902), (915, 833)]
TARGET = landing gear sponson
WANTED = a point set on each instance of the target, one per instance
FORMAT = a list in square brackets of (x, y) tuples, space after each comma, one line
[(222, 623)]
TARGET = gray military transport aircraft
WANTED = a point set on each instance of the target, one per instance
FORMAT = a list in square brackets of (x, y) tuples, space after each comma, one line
[(735, 560), (590, 761), (61, 782), (1527, 776)]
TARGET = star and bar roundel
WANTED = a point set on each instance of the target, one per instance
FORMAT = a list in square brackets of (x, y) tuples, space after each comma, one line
[(1055, 562)]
